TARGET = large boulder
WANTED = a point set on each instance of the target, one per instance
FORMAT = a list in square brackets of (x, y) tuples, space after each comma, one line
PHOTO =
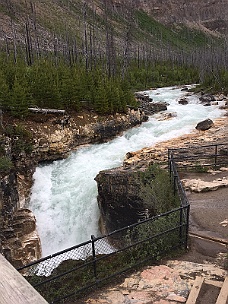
[(119, 198), (204, 125)]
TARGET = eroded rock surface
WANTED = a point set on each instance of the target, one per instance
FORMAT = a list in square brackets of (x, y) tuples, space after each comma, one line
[(197, 185), (119, 198), (164, 284), (21, 243)]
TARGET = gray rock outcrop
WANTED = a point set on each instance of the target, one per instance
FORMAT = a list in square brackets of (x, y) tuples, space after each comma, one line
[(119, 198), (20, 242)]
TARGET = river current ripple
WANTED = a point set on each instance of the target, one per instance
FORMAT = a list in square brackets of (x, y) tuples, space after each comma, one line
[(64, 193)]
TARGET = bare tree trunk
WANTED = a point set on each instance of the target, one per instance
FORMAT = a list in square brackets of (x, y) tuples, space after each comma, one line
[(128, 40), (110, 46), (14, 42), (85, 36), (37, 43), (1, 120), (7, 45), (28, 43)]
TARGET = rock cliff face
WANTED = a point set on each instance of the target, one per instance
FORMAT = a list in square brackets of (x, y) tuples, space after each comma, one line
[(54, 141), (19, 240), (118, 198)]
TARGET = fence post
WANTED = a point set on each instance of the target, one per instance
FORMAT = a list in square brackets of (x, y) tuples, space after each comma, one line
[(169, 163), (181, 225), (94, 256), (187, 226), (174, 184), (216, 153)]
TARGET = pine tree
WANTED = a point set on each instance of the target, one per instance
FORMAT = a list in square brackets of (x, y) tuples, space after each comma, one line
[(69, 87), (4, 92), (101, 100), (45, 86), (18, 100)]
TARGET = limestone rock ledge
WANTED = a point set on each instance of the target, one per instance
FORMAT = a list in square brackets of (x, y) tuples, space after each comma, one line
[(59, 140), (21, 243), (218, 133), (164, 284)]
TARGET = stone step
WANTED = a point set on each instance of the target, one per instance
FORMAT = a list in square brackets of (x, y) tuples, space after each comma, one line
[(194, 293)]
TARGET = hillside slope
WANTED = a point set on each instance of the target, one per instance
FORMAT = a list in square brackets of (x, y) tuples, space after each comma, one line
[(213, 15), (54, 24)]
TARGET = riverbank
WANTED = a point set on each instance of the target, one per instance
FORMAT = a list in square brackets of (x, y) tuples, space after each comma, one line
[(218, 133), (171, 281)]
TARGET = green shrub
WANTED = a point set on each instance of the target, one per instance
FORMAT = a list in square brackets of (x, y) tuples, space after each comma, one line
[(21, 139), (156, 190), (5, 164)]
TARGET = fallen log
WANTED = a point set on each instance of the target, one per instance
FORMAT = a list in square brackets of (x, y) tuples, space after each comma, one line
[(46, 111)]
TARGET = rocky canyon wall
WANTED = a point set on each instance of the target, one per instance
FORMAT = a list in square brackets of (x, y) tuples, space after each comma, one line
[(52, 139), (20, 242)]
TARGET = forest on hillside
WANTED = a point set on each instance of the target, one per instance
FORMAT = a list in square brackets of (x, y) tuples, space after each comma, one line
[(101, 59)]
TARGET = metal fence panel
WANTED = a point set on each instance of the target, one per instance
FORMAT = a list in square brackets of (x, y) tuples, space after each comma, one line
[(86, 265)]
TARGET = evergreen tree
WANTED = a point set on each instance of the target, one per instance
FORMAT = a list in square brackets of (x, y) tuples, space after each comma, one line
[(4, 92), (101, 100), (18, 100), (69, 88), (45, 86)]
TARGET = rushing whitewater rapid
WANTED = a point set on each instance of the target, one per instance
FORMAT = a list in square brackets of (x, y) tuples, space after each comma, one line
[(64, 193)]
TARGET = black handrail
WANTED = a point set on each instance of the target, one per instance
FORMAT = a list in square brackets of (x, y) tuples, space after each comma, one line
[(177, 227)]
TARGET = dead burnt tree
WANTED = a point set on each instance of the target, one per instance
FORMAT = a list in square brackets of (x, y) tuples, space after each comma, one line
[(93, 38), (110, 44), (37, 42), (85, 44), (7, 47), (14, 42), (28, 43), (129, 15)]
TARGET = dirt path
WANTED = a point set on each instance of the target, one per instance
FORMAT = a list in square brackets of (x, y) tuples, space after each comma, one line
[(209, 219)]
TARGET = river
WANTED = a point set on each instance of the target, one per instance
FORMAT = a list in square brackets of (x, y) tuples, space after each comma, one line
[(64, 193)]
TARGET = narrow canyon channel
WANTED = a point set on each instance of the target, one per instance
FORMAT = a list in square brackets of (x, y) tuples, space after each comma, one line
[(64, 194)]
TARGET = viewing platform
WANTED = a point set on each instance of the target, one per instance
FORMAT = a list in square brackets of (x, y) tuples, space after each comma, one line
[(14, 288)]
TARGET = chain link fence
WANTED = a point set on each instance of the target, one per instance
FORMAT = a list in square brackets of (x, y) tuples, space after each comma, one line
[(67, 275)]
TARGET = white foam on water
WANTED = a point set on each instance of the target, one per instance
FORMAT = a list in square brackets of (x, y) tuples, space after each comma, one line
[(64, 193)]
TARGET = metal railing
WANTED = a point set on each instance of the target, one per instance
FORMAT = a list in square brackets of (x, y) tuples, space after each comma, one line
[(200, 157), (69, 273)]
